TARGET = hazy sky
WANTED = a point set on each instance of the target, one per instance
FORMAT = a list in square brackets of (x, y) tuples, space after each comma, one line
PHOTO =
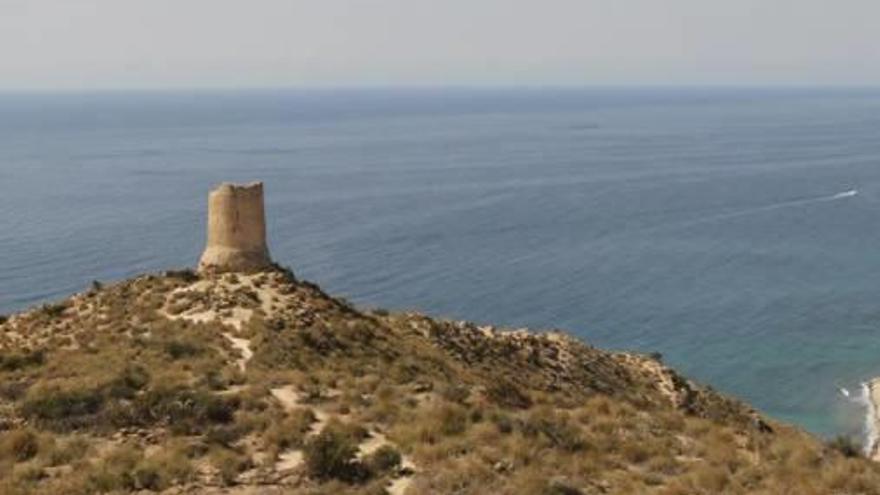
[(68, 44)]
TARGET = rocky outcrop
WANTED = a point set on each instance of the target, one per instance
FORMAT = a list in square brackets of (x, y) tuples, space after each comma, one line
[(236, 230)]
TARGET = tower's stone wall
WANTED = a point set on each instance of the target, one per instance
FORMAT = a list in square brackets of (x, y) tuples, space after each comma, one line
[(236, 230)]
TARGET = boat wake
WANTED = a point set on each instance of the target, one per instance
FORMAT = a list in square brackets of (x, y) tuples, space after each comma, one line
[(845, 194), (776, 206), (797, 202)]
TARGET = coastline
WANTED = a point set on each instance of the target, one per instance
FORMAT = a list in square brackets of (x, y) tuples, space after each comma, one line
[(872, 419)]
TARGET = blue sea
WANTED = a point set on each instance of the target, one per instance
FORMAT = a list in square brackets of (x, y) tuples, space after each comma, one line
[(735, 231)]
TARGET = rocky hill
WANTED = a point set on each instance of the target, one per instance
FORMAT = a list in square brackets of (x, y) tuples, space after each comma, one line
[(262, 384)]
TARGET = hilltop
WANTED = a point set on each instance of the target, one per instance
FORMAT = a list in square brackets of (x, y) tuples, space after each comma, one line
[(260, 383)]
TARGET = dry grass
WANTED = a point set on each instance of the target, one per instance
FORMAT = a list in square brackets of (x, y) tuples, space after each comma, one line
[(104, 392)]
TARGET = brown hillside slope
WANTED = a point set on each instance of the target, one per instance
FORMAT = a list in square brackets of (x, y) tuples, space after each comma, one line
[(258, 383)]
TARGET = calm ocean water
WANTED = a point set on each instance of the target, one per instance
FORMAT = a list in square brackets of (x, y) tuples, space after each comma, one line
[(735, 231)]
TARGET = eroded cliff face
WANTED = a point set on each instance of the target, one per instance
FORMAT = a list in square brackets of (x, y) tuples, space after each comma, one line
[(236, 230)]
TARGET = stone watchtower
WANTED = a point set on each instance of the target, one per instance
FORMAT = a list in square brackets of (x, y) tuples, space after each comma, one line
[(236, 230)]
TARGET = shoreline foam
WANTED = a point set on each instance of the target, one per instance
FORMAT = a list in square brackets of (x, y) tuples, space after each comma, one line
[(871, 394)]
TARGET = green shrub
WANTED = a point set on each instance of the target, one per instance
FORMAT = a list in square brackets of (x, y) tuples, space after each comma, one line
[(147, 477), (186, 411), (67, 451), (172, 466), (451, 419), (229, 464), (561, 487), (62, 406), (502, 421), (292, 430), (507, 394), (556, 428), (178, 349), (214, 380), (20, 445), (455, 393), (54, 310), (18, 360), (127, 470), (384, 459), (116, 471), (26, 477), (186, 275), (129, 382), (846, 446), (225, 435), (286, 271), (331, 455)]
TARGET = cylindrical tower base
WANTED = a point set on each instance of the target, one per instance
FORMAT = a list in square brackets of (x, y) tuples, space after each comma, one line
[(236, 230)]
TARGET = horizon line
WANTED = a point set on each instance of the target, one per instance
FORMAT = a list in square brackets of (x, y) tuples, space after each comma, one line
[(442, 87)]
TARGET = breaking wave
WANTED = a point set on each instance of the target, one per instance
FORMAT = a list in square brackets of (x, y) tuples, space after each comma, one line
[(870, 412)]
